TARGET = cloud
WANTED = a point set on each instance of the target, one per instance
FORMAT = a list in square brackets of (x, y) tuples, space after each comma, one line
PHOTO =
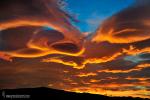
[(86, 74), (127, 26), (26, 20), (136, 68)]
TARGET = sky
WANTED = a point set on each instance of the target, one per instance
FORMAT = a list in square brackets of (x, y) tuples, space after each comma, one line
[(95, 11), (41, 47)]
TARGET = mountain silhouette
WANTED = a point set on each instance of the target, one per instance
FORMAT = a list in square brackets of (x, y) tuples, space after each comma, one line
[(53, 94)]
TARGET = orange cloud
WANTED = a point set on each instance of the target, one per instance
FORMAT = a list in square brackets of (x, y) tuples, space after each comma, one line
[(44, 16), (139, 78), (94, 81), (136, 68), (86, 74), (5, 56), (83, 64), (92, 90), (125, 26), (133, 50)]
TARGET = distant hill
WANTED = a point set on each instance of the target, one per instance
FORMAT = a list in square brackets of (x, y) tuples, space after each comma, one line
[(53, 94)]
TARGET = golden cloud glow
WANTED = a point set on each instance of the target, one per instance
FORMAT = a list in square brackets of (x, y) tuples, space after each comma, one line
[(56, 19), (86, 74), (139, 78), (136, 68), (94, 81), (134, 51), (5, 56), (125, 26), (92, 90), (86, 61), (112, 37)]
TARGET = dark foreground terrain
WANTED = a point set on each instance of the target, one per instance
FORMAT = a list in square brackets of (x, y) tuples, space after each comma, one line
[(52, 94)]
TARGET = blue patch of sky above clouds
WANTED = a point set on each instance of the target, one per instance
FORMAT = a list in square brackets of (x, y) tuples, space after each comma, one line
[(46, 28), (91, 13), (136, 58)]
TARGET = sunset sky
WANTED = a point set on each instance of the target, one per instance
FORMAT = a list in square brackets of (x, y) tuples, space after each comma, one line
[(106, 51)]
